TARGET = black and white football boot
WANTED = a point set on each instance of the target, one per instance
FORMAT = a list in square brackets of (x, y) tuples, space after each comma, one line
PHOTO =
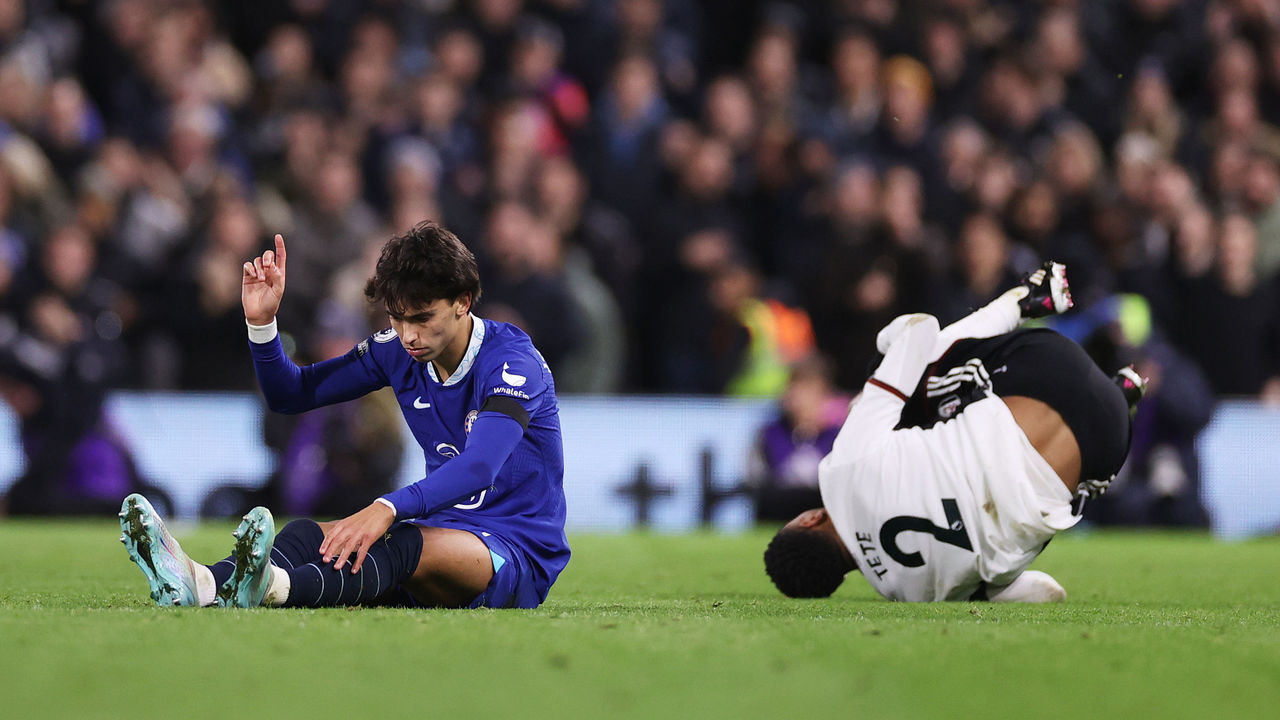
[(1048, 292)]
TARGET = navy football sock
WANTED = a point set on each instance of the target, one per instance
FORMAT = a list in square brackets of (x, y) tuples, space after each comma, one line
[(222, 570), (388, 563), (297, 544)]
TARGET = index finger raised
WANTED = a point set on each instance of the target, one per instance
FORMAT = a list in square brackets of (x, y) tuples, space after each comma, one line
[(280, 252)]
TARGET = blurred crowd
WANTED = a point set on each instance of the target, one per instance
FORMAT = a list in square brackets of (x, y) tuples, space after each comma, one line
[(668, 195)]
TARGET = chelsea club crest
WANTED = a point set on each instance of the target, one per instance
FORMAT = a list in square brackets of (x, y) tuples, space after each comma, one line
[(384, 336)]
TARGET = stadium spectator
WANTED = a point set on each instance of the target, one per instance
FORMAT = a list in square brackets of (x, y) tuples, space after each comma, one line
[(771, 337), (1229, 316), (204, 312), (949, 56), (707, 348), (438, 109), (666, 31), (62, 352), (855, 108), (784, 460), (1261, 196), (592, 228), (329, 226), (985, 265), (621, 156), (535, 72), (524, 284), (1074, 79)]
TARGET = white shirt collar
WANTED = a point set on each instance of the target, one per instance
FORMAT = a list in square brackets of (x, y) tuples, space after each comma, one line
[(468, 357)]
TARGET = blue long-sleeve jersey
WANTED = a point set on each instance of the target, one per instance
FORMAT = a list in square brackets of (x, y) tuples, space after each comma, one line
[(490, 433)]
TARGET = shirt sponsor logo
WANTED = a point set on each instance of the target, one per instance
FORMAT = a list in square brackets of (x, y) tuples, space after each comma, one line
[(447, 450), (384, 336), (511, 378), (510, 392)]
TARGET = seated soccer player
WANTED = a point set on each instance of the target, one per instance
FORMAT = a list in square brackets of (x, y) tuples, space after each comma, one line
[(967, 450), (484, 528)]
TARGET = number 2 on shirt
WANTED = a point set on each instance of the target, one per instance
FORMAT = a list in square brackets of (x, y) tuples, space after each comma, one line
[(953, 534)]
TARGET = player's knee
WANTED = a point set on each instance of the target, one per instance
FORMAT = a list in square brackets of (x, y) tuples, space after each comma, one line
[(405, 541), (302, 527), (803, 563)]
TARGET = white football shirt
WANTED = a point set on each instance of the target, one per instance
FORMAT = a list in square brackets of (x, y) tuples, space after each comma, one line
[(930, 514)]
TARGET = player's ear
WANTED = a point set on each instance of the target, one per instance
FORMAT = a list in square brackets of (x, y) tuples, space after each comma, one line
[(462, 304), (809, 518)]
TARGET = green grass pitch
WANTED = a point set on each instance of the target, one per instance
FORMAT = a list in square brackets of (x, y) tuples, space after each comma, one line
[(652, 626)]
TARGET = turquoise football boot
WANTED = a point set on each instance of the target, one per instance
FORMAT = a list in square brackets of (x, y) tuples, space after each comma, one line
[(168, 570), (248, 583)]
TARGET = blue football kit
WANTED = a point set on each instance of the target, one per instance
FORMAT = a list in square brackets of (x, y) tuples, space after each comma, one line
[(490, 435)]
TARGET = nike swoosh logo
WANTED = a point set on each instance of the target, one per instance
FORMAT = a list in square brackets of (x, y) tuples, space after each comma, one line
[(417, 402), (510, 378)]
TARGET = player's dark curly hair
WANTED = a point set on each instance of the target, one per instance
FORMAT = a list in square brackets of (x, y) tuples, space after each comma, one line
[(425, 264), (803, 563)]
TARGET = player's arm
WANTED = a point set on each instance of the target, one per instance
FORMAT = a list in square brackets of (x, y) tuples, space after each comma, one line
[(494, 436), (878, 408), (1041, 293), (287, 387), (997, 317)]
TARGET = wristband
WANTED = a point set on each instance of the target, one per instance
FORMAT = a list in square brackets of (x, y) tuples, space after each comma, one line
[(262, 333)]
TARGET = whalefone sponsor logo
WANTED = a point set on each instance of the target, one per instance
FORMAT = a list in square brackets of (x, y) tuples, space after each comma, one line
[(511, 378)]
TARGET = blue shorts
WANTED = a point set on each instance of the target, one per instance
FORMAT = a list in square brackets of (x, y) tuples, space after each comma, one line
[(513, 584)]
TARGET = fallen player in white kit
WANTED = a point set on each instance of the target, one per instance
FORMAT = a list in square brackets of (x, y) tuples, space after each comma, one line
[(968, 449)]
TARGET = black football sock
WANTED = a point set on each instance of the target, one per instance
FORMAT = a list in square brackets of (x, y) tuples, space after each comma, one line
[(388, 563)]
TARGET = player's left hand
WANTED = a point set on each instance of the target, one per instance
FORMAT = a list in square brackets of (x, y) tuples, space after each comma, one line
[(355, 534)]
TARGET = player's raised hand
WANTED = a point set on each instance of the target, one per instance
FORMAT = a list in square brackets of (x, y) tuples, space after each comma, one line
[(355, 534), (262, 285)]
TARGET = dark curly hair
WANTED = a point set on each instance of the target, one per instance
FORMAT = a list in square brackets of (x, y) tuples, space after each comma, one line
[(803, 563), (425, 264)]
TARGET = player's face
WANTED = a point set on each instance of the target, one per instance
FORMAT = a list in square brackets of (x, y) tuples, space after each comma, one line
[(435, 330)]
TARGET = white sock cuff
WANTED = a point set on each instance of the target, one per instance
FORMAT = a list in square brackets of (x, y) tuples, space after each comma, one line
[(206, 590), (277, 587)]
